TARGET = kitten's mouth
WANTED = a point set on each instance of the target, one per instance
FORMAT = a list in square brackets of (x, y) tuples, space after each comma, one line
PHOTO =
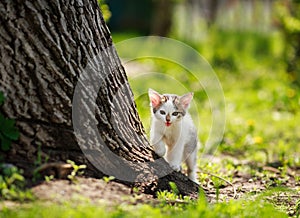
[(168, 123)]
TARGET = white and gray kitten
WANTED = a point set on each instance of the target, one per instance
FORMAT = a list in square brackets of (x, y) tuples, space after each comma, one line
[(173, 134)]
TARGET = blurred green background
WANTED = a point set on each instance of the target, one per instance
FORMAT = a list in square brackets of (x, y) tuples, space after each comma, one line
[(253, 47)]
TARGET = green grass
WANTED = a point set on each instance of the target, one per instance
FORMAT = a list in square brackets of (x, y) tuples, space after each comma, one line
[(200, 208)]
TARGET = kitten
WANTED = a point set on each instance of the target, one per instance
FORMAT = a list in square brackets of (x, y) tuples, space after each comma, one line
[(173, 134)]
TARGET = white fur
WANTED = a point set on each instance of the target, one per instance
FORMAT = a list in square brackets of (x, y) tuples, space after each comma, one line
[(177, 143)]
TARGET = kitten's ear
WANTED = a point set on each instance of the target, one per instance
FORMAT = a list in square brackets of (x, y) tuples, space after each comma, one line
[(186, 99), (155, 97)]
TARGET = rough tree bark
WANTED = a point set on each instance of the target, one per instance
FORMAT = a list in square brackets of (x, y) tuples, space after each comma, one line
[(48, 49)]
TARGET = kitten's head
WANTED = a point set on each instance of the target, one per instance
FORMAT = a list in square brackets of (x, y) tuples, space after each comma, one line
[(169, 108)]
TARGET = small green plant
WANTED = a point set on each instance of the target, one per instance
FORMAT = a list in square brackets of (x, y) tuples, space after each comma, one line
[(166, 196), (40, 160), (8, 131), (297, 208), (77, 170), (297, 179), (49, 178), (174, 188), (12, 184), (107, 179), (172, 198), (169, 195), (136, 190)]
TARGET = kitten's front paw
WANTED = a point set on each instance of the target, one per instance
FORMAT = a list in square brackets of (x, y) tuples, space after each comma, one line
[(160, 151), (175, 167)]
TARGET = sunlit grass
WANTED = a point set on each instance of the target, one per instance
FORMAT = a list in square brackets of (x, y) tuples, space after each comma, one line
[(198, 208)]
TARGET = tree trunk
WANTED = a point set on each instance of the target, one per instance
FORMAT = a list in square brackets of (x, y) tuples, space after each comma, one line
[(67, 90)]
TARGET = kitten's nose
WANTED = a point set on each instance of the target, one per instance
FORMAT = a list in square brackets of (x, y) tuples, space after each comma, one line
[(168, 118)]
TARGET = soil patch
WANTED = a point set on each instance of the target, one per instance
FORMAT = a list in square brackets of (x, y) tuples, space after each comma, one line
[(88, 190)]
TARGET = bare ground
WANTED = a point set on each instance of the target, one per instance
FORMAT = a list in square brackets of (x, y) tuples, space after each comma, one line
[(241, 185)]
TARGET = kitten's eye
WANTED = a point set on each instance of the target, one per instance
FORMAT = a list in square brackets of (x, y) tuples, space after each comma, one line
[(162, 112), (175, 113)]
